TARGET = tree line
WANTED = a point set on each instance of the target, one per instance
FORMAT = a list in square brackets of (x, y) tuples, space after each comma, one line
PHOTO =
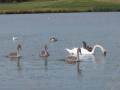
[(9, 1)]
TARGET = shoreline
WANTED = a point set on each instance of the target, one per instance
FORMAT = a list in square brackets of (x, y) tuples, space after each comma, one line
[(59, 6), (60, 11)]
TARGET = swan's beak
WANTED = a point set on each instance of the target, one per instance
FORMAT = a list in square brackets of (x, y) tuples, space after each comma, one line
[(105, 53)]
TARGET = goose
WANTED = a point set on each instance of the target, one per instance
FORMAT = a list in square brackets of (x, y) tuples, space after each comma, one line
[(44, 53), (85, 51), (15, 54), (72, 58), (52, 39)]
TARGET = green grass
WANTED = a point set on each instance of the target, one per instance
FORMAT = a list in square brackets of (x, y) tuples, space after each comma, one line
[(37, 6)]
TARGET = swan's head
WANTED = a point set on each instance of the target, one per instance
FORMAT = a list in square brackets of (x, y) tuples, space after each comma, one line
[(19, 47), (104, 53), (45, 47)]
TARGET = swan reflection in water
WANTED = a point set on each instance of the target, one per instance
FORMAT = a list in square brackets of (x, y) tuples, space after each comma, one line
[(18, 62), (96, 59), (45, 59), (79, 71)]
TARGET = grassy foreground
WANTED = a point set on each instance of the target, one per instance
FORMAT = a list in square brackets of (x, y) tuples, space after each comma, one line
[(56, 6)]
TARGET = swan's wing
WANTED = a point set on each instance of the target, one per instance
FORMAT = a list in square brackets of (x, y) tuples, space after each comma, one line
[(84, 51), (68, 50), (72, 51)]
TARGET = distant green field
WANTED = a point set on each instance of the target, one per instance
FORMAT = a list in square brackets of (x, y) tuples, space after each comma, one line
[(47, 6)]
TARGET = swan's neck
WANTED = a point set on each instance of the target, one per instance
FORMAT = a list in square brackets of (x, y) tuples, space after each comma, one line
[(97, 46), (78, 55), (18, 52), (46, 52)]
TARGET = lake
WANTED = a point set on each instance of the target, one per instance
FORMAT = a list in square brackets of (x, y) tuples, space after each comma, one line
[(32, 72)]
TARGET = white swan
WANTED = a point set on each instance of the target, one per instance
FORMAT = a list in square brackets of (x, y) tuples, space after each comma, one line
[(84, 51)]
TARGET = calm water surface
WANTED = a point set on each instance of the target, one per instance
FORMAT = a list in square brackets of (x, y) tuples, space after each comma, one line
[(34, 73)]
